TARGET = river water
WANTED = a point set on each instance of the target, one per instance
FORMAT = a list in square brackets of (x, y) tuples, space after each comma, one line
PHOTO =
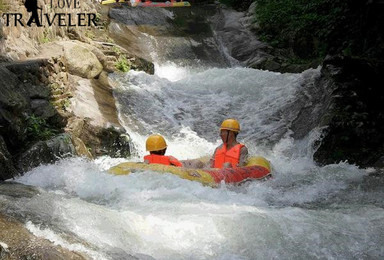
[(305, 211)]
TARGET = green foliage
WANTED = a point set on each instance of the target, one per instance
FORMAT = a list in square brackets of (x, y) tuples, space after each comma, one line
[(109, 39), (284, 21), (66, 104), (46, 37), (123, 64), (38, 129), (116, 50)]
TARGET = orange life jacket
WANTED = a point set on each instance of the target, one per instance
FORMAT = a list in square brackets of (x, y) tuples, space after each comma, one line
[(162, 159), (232, 156)]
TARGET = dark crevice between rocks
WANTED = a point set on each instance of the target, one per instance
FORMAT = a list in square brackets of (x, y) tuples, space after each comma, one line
[(355, 120), (27, 118)]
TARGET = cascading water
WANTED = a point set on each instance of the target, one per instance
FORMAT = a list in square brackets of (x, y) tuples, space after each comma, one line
[(304, 212)]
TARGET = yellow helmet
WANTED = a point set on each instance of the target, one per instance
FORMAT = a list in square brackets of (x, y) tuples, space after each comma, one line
[(230, 124), (155, 143)]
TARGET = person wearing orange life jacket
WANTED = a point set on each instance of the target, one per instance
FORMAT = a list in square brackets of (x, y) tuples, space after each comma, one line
[(231, 153), (157, 147)]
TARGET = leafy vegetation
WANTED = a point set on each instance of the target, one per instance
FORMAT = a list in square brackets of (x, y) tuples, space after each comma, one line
[(284, 22), (116, 50), (310, 29), (46, 37), (123, 64), (38, 129)]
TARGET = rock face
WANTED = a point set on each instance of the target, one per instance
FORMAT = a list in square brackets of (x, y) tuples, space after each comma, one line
[(24, 110), (37, 100), (355, 118), (6, 164), (17, 243), (183, 35), (99, 140), (40, 96), (46, 152), (232, 31)]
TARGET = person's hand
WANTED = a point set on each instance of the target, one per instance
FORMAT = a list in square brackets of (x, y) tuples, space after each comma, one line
[(227, 165)]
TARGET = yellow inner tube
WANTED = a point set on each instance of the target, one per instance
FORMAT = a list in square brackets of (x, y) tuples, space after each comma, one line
[(199, 175)]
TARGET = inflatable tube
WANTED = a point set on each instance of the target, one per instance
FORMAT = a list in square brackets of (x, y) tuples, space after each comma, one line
[(107, 2), (256, 168)]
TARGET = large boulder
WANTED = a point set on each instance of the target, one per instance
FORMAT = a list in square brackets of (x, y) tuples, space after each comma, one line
[(81, 61), (46, 152), (100, 140)]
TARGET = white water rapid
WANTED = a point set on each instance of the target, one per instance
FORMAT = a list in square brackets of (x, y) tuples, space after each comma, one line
[(305, 212)]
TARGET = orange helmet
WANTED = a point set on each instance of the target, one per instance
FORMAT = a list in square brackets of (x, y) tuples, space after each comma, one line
[(230, 124), (155, 143)]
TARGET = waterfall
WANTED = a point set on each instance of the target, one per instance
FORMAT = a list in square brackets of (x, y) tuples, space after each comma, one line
[(305, 211)]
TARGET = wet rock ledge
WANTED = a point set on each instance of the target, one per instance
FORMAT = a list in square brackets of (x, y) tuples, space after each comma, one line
[(16, 242)]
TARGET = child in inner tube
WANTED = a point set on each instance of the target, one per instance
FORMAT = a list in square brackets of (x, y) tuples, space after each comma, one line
[(156, 146)]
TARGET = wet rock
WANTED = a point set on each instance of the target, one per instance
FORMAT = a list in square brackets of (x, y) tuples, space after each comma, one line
[(268, 64), (75, 126), (355, 117), (134, 16), (45, 152), (112, 141), (37, 91), (93, 100), (190, 29), (23, 68), (240, 42), (42, 108), (11, 95), (13, 102), (116, 143), (17, 190), (379, 163), (7, 170), (16, 107), (18, 243), (142, 64), (4, 250), (81, 148), (95, 140)]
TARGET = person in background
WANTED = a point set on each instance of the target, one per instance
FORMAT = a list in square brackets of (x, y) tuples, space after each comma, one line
[(231, 153), (32, 6), (157, 147)]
